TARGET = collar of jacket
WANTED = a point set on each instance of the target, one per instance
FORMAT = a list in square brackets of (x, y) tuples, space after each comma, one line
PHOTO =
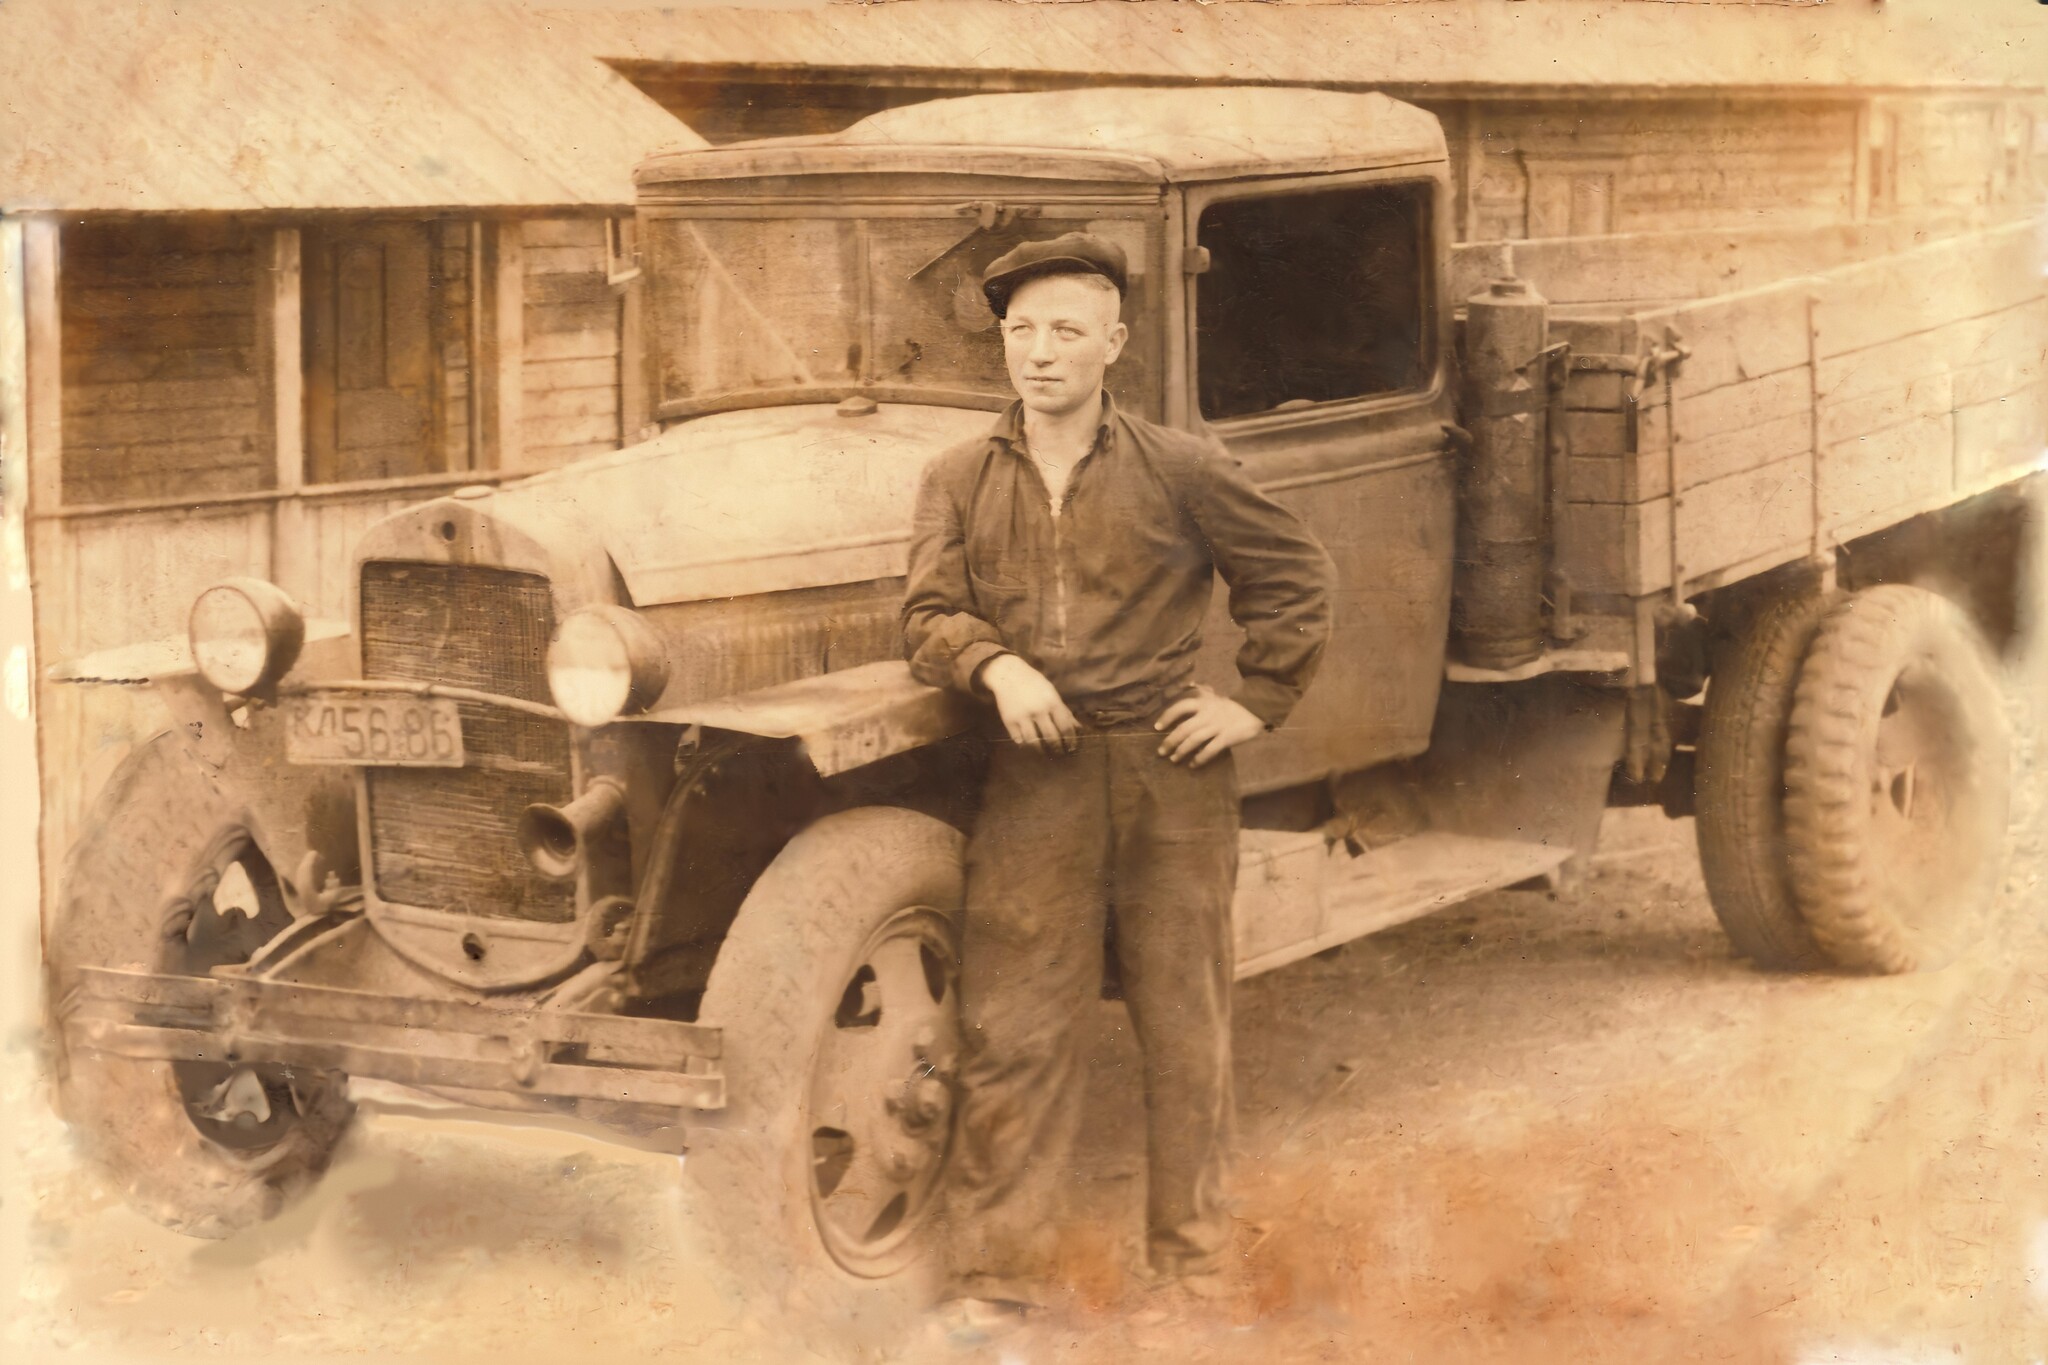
[(1008, 432)]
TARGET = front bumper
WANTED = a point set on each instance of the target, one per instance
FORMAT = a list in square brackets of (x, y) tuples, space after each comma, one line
[(535, 1053)]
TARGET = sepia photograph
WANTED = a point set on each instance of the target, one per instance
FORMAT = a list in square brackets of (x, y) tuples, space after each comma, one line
[(991, 682)]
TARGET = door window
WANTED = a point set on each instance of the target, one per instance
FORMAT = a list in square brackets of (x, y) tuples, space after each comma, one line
[(1312, 298)]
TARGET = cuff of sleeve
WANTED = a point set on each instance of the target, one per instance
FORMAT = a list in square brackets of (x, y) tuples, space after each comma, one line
[(1270, 701), (969, 661)]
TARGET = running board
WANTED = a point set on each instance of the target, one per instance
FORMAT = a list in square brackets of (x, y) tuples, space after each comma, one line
[(1298, 895)]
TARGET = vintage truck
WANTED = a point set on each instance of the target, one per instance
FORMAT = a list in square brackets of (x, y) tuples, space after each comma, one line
[(613, 797)]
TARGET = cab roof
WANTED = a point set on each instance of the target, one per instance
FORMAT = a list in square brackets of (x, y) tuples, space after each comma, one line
[(1142, 135)]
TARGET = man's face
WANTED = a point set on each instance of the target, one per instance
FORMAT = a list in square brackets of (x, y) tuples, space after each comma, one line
[(1059, 337)]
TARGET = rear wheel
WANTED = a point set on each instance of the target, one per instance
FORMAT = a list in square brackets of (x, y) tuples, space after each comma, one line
[(1740, 784), (1898, 777), (168, 879), (836, 995)]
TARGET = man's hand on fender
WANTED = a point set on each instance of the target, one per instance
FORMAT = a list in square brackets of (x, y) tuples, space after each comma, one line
[(1030, 706), (1204, 725)]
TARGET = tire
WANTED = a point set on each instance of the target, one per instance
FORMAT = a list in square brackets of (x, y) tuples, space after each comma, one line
[(1740, 785), (1898, 774), (138, 892), (835, 991)]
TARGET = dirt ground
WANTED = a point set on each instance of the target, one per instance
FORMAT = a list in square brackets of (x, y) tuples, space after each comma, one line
[(1528, 1128)]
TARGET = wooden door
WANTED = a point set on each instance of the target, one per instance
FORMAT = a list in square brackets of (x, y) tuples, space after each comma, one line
[(370, 392)]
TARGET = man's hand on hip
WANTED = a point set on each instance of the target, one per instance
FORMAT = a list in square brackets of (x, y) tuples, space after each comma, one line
[(1031, 707), (1204, 725)]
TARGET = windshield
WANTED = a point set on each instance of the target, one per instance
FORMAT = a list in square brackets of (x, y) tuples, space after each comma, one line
[(805, 309)]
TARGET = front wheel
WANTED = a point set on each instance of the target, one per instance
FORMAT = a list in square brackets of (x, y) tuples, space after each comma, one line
[(167, 878), (836, 994), (1897, 773)]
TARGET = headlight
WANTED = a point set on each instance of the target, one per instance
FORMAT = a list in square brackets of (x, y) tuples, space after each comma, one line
[(246, 634), (606, 662)]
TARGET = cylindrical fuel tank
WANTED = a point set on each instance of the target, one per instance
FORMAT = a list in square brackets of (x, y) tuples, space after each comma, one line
[(1497, 591)]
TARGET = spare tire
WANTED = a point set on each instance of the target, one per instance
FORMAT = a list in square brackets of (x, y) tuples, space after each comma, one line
[(1898, 781), (1739, 787)]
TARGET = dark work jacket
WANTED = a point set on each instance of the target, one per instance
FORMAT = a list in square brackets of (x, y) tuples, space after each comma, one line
[(1107, 600)]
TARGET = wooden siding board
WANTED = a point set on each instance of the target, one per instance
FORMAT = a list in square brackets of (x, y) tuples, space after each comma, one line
[(552, 403), (2001, 433), (1918, 291), (1733, 452), (162, 396), (563, 232), (1732, 339), (1590, 433), (1625, 548), (1737, 518), (148, 299), (586, 344), (2017, 331), (565, 260), (567, 292), (586, 429), (593, 372), (1900, 464), (1601, 478), (1996, 379), (1605, 546), (595, 315), (1721, 432), (133, 429), (1844, 420)]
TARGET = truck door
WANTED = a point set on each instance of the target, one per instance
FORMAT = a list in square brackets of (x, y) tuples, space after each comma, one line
[(1318, 352)]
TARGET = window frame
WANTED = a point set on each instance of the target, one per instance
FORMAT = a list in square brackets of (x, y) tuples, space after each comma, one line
[(1144, 209), (1434, 178)]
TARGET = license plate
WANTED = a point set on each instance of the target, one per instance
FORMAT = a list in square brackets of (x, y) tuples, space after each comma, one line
[(368, 729)]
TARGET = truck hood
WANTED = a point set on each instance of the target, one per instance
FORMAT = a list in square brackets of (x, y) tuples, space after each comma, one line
[(767, 500)]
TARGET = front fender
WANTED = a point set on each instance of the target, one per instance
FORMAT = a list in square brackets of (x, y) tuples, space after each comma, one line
[(842, 720), (291, 809)]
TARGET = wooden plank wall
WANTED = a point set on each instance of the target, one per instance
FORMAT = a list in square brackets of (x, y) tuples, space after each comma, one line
[(159, 334), (1919, 375), (1668, 163), (1648, 268), (572, 344), (160, 341)]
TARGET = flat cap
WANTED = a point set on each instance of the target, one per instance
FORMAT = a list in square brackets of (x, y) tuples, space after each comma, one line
[(1072, 253)]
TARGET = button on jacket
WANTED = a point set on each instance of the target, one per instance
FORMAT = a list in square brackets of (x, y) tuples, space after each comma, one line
[(1107, 600)]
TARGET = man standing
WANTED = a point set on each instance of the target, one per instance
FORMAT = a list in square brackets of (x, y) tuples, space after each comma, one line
[(1061, 567)]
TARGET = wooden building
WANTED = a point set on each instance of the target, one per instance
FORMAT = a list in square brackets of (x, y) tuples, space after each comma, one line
[(275, 271), (1564, 117)]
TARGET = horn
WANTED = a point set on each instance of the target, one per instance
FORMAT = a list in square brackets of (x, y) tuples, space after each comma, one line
[(555, 839)]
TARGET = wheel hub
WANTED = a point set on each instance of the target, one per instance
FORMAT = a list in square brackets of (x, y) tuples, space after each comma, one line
[(230, 907), (881, 1108), (1916, 765)]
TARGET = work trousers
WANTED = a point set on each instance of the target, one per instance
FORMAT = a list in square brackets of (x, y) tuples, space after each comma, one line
[(1061, 840)]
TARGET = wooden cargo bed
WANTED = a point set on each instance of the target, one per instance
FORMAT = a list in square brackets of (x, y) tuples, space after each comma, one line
[(1805, 412)]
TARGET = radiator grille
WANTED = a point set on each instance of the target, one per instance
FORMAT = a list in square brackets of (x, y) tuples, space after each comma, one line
[(446, 838)]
